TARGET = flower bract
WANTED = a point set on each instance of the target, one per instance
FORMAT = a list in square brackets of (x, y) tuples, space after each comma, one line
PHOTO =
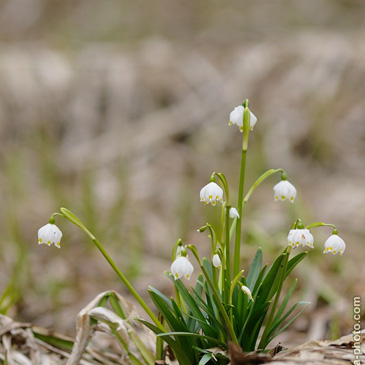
[(182, 267), (217, 261), (300, 237), (247, 291), (284, 190), (236, 117), (211, 193), (334, 244), (49, 234), (233, 213)]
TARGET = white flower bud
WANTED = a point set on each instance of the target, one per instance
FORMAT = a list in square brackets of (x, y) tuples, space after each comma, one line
[(300, 237), (49, 234), (284, 190), (334, 244), (233, 213), (247, 291), (217, 261), (236, 117), (211, 193), (181, 267)]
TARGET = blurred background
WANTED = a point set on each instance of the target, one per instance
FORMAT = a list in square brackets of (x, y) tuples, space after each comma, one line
[(119, 111)]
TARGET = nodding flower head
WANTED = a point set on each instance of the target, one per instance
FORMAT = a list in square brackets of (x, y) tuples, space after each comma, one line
[(233, 213), (49, 234), (334, 244), (236, 117), (300, 237), (247, 291), (284, 190), (182, 267), (211, 193), (217, 261)]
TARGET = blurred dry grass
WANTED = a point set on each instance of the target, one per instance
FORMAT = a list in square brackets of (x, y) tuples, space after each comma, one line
[(125, 134)]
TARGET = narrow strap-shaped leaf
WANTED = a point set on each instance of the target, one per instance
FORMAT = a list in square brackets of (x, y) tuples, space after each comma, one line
[(294, 262), (179, 352), (289, 322), (205, 359), (195, 310), (254, 269), (286, 315), (259, 280), (189, 334), (284, 302), (162, 296)]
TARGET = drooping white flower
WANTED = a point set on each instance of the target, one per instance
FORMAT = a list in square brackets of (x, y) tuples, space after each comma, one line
[(236, 117), (49, 234), (247, 291), (284, 190), (182, 267), (233, 213), (217, 261), (300, 237), (334, 244), (211, 193)]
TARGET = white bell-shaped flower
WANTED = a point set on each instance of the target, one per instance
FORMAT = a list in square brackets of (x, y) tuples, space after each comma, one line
[(300, 237), (247, 291), (211, 193), (236, 117), (334, 244), (217, 261), (233, 213), (284, 190), (49, 234), (182, 267)]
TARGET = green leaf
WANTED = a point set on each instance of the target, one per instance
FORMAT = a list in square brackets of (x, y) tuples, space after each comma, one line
[(294, 262), (179, 352), (285, 302), (271, 280), (274, 334), (205, 359), (194, 308), (259, 280), (166, 311), (54, 341), (189, 334), (254, 269), (116, 306), (162, 296)]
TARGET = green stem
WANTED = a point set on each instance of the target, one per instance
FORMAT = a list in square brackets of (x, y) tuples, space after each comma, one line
[(75, 220), (237, 247), (320, 224), (128, 285), (216, 295), (264, 176), (223, 180), (227, 244)]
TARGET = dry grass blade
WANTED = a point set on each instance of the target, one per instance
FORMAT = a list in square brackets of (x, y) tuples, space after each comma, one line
[(95, 317), (339, 352)]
